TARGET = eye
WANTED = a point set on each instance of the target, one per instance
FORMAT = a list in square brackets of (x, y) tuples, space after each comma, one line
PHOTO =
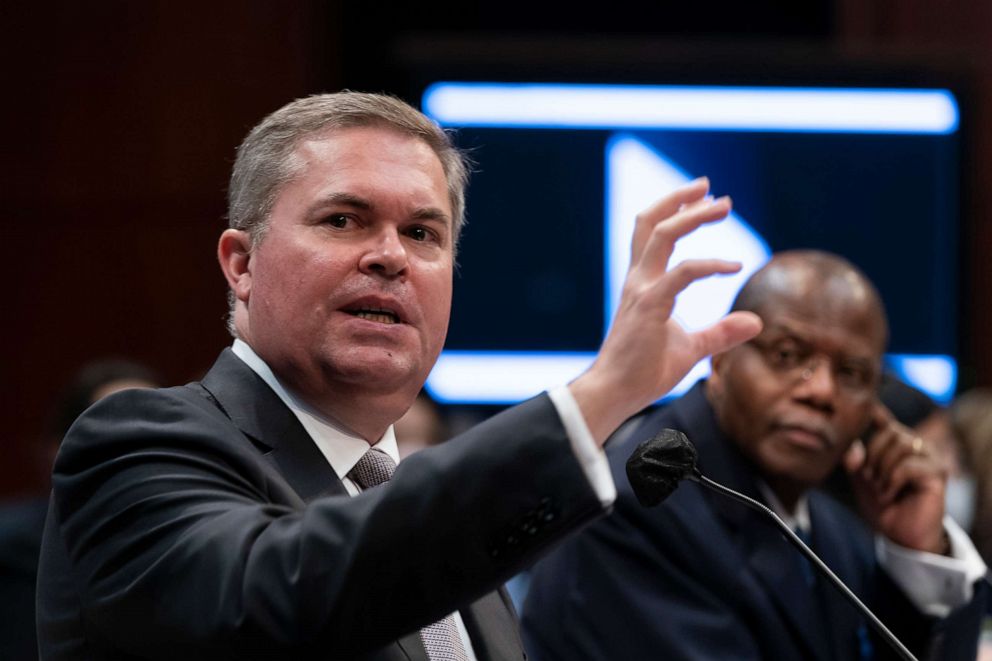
[(785, 355), (853, 375), (420, 233), (337, 220)]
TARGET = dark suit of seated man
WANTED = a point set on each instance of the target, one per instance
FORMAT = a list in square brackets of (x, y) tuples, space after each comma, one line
[(253, 515), (701, 577)]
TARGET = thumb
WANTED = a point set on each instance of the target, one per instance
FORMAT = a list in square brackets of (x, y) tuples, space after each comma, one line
[(735, 328), (854, 458)]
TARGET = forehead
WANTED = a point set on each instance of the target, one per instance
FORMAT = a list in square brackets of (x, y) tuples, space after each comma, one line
[(844, 325), (373, 156), (361, 142)]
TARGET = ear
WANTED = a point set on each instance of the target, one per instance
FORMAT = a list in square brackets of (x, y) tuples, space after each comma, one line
[(714, 383), (234, 255)]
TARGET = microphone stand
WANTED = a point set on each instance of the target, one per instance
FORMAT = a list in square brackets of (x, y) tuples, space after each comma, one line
[(876, 623)]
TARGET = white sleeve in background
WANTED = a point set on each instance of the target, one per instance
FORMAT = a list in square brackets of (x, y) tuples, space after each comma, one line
[(936, 584), (591, 457)]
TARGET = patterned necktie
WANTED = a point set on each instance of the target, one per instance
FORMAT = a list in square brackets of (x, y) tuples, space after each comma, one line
[(441, 639)]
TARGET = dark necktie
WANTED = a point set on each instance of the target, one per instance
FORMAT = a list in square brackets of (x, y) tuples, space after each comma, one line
[(808, 573), (441, 639)]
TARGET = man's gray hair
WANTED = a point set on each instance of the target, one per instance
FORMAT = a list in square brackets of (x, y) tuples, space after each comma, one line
[(265, 162)]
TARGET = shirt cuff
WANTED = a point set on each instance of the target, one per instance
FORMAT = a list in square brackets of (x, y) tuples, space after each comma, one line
[(590, 456), (936, 584)]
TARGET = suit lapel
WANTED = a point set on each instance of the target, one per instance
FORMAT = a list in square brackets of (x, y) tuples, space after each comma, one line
[(492, 625), (261, 415)]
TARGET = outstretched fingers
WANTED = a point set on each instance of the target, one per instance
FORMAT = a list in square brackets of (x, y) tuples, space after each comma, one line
[(661, 240), (663, 209), (662, 288), (646, 352)]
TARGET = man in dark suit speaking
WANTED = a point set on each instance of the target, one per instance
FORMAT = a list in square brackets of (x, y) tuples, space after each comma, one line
[(703, 577), (240, 517)]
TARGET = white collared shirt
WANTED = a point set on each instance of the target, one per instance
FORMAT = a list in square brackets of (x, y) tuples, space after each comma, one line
[(340, 447), (343, 449)]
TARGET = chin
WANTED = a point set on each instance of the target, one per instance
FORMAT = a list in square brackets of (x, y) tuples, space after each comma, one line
[(382, 373)]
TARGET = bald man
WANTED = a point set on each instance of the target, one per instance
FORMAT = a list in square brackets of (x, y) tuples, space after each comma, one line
[(701, 577)]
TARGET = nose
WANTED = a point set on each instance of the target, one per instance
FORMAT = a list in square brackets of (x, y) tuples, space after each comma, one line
[(817, 385), (384, 255)]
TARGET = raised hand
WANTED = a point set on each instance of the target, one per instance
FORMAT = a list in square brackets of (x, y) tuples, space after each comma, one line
[(646, 353)]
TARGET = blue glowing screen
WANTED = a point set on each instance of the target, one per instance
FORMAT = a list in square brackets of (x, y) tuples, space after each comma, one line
[(869, 174)]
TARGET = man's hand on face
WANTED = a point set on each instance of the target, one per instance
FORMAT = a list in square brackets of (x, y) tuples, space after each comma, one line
[(899, 484), (646, 353)]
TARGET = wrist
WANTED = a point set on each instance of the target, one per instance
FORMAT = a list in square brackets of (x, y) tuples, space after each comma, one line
[(604, 406)]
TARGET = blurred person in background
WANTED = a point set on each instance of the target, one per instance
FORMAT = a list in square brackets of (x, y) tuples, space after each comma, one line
[(701, 577), (420, 427), (970, 419), (969, 490), (22, 521)]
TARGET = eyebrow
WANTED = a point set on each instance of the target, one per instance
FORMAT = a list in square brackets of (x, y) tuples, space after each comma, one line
[(345, 199), (364, 204), (431, 213), (786, 331)]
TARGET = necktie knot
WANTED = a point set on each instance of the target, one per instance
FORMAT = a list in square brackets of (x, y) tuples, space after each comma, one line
[(374, 468)]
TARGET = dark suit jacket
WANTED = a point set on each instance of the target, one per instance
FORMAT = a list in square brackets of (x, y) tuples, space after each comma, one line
[(201, 522), (703, 577)]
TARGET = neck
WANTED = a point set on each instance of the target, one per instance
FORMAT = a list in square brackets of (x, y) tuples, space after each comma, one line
[(364, 415), (358, 411), (788, 492)]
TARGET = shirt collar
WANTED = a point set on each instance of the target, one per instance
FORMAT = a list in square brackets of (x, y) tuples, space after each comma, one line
[(797, 520), (341, 448)]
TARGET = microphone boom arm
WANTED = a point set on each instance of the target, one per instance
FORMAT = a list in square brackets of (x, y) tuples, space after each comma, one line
[(876, 623)]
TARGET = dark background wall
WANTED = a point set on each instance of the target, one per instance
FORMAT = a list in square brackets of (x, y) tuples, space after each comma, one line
[(121, 120)]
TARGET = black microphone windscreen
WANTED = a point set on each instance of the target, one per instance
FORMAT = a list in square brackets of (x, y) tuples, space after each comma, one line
[(658, 465)]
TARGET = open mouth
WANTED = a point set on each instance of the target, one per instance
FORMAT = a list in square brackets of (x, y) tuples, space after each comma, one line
[(378, 315)]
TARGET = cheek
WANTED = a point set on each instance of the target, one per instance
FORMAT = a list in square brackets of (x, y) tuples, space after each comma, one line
[(439, 313), (748, 399), (436, 291), (853, 421)]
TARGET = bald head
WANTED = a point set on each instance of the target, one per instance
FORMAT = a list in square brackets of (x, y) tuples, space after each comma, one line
[(821, 284)]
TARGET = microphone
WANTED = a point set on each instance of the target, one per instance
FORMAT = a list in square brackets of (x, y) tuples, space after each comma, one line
[(657, 466)]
